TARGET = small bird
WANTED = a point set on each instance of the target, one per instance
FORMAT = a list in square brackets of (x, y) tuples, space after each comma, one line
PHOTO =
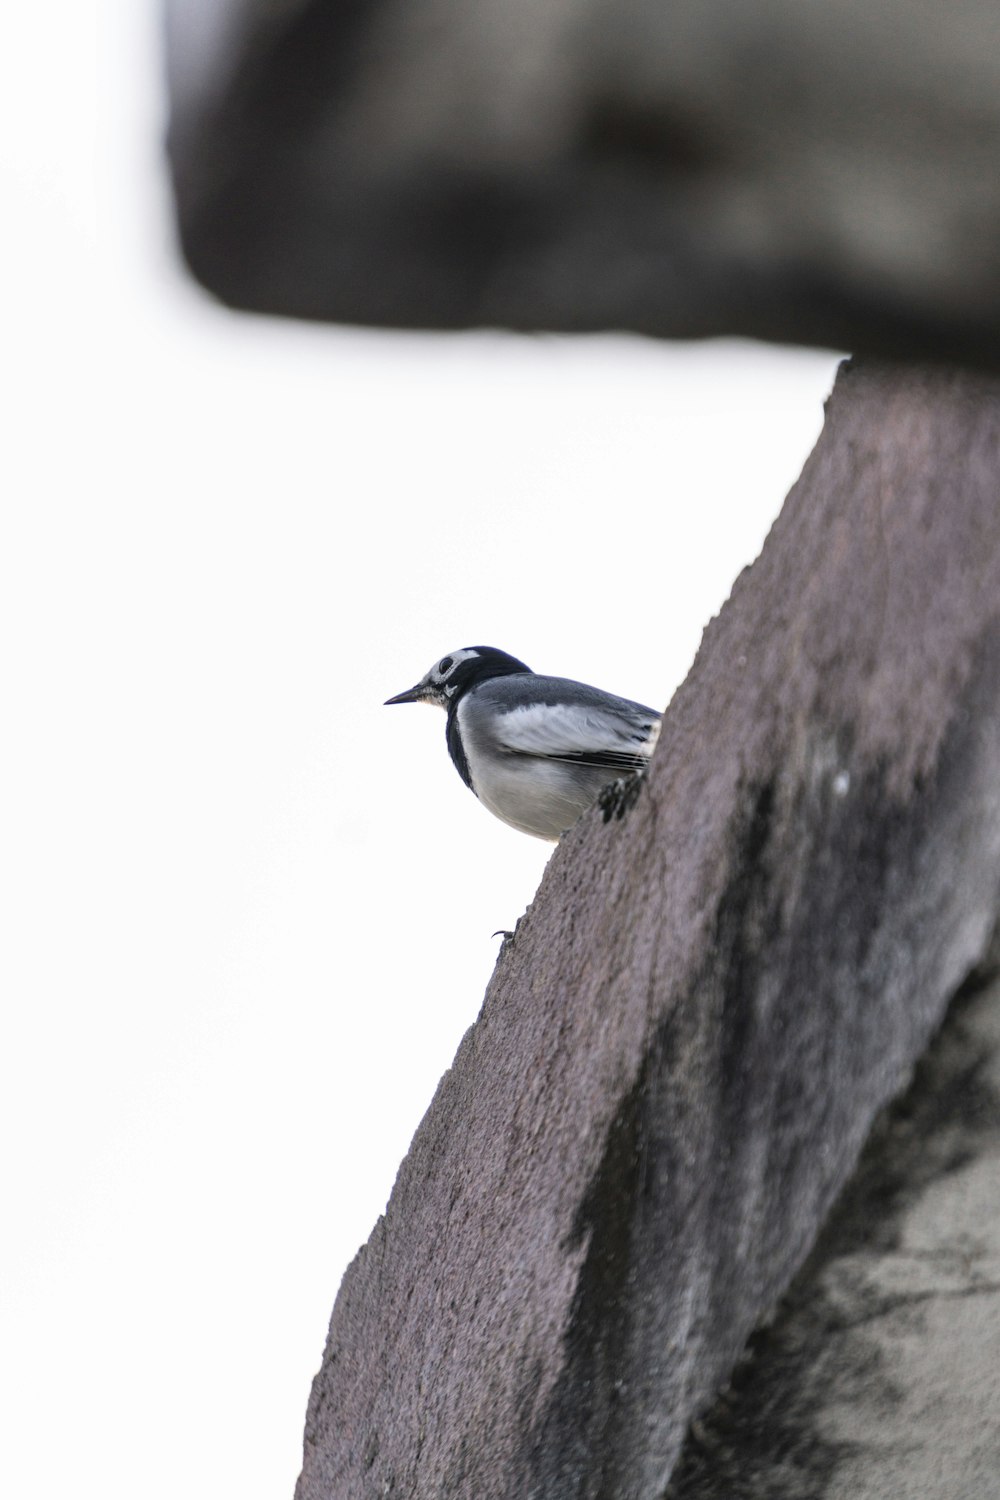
[(537, 751)]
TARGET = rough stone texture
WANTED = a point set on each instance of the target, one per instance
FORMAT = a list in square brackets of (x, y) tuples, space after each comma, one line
[(812, 173), (683, 1049), (881, 1374)]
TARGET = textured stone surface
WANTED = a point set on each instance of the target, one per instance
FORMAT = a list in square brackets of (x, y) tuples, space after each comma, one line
[(682, 1051), (811, 173), (880, 1376)]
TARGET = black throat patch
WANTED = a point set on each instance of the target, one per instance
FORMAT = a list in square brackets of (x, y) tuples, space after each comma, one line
[(455, 747)]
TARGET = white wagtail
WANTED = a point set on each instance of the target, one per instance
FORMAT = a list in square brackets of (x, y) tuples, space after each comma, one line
[(537, 751)]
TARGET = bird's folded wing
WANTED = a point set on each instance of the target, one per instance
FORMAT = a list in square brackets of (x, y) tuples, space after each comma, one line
[(579, 735)]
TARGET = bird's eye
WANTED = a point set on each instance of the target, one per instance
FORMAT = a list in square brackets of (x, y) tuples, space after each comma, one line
[(446, 665)]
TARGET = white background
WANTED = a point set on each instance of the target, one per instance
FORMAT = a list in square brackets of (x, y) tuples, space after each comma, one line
[(246, 910)]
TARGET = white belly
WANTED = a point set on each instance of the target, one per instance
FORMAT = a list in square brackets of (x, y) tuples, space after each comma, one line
[(536, 796)]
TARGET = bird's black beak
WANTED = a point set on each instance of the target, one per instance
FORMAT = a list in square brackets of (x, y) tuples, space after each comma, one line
[(412, 695)]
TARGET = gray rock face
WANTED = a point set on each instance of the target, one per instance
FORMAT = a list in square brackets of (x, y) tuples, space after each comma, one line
[(683, 1050), (880, 1375), (817, 174)]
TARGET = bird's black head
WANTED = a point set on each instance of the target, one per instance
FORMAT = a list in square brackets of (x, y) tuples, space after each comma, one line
[(455, 673)]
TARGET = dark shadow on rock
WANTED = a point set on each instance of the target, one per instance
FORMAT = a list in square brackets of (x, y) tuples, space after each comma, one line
[(829, 1350)]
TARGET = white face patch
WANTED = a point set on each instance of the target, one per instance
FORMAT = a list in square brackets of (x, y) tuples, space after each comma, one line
[(439, 674)]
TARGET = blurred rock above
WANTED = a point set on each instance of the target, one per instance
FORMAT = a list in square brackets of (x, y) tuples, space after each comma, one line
[(820, 174)]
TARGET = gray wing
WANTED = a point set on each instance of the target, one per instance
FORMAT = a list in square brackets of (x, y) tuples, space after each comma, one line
[(579, 726)]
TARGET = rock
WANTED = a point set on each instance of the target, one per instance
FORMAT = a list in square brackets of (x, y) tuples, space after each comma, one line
[(815, 174), (880, 1375), (682, 1051)]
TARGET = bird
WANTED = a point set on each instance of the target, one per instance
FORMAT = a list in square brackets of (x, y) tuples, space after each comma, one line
[(537, 751)]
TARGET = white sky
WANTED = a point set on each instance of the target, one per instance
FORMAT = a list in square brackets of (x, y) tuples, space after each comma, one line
[(246, 910)]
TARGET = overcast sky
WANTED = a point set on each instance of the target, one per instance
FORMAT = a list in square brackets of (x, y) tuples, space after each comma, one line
[(247, 911)]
